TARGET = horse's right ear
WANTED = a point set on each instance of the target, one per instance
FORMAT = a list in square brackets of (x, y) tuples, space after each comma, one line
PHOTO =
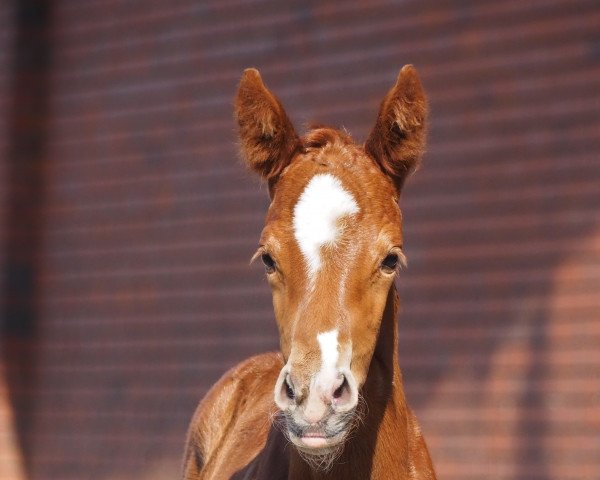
[(268, 139)]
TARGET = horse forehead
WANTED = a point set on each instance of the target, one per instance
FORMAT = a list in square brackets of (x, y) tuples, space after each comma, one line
[(331, 201), (317, 216)]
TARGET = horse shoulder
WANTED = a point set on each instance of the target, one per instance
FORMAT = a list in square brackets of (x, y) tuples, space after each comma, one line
[(231, 423)]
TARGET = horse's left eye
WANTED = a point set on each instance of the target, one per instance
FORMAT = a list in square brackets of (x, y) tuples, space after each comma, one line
[(269, 262), (390, 262)]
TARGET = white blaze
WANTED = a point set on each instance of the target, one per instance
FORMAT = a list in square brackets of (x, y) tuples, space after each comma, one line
[(322, 203), (328, 342)]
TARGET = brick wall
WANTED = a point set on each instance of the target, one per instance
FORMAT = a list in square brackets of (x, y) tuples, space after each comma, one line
[(145, 295), (11, 461)]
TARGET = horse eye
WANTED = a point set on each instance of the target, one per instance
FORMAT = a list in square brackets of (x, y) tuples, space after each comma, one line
[(269, 262), (390, 262)]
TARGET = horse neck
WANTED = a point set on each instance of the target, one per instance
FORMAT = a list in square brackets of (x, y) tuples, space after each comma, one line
[(378, 443)]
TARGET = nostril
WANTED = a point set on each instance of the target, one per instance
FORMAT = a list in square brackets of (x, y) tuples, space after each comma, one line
[(345, 396), (338, 392), (289, 391), (285, 395)]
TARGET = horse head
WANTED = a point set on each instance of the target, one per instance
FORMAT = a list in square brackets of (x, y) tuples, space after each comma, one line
[(331, 247)]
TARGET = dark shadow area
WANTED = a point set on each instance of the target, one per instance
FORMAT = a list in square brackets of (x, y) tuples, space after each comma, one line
[(24, 215)]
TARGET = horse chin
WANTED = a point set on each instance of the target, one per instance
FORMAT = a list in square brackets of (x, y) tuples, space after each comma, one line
[(320, 446), (322, 454)]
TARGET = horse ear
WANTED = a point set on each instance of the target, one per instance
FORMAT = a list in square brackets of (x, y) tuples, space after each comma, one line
[(268, 139), (397, 141)]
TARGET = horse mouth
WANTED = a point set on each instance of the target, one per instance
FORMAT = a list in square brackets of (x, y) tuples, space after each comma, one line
[(317, 442)]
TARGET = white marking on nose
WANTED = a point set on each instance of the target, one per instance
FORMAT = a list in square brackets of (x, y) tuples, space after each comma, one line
[(322, 203), (328, 342)]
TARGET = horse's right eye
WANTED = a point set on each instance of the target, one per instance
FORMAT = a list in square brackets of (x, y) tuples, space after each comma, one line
[(269, 262)]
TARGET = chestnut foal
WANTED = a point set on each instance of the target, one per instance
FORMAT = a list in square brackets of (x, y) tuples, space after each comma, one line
[(331, 403)]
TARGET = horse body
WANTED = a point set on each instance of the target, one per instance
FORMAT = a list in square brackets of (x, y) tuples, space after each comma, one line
[(330, 405)]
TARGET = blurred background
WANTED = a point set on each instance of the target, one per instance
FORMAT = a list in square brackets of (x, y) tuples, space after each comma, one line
[(128, 221)]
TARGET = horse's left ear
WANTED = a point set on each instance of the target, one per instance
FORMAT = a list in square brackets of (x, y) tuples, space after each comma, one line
[(398, 138), (267, 136)]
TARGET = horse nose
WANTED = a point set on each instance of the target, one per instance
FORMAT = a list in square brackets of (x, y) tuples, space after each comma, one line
[(337, 393)]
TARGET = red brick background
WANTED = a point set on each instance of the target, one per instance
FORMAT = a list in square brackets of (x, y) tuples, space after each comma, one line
[(143, 221)]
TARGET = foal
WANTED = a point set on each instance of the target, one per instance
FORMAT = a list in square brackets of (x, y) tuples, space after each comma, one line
[(330, 404)]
